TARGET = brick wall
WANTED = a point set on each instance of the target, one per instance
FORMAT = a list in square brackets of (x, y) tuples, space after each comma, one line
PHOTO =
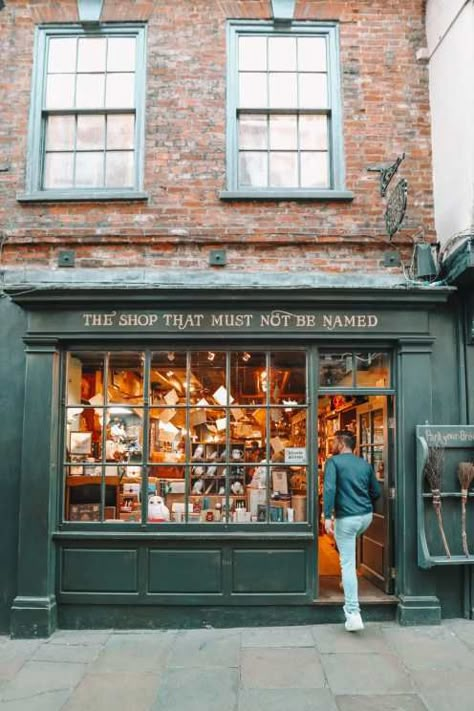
[(386, 111)]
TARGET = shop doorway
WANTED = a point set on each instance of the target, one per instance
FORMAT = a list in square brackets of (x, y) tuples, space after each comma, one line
[(371, 419)]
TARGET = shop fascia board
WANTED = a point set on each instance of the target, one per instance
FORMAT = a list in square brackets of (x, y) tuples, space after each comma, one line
[(76, 287)]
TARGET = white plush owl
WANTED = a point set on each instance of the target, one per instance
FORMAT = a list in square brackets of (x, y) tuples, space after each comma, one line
[(157, 510)]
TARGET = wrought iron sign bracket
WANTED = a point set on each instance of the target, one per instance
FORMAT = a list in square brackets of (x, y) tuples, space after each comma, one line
[(386, 173)]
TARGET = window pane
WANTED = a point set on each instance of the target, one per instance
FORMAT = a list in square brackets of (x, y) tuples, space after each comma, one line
[(373, 370), (253, 169), (253, 132), (60, 91), (208, 378), (313, 90), (167, 435), (120, 131), (284, 170), (288, 377), (90, 132), (121, 54), (58, 170), (253, 53), (253, 90), (288, 437), (282, 54), (168, 378), (313, 133), (168, 484), (125, 378), (124, 434), (85, 378), (245, 370), (283, 133), (90, 91), (248, 427), (335, 369), (283, 91), (119, 171), (311, 54), (89, 170), (314, 170), (62, 54), (207, 430), (60, 133), (91, 54), (120, 91)]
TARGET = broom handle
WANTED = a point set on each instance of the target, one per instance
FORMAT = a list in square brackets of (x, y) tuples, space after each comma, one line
[(437, 508), (464, 533)]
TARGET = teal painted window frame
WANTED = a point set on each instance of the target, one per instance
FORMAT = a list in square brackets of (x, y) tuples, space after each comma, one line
[(33, 188), (329, 30)]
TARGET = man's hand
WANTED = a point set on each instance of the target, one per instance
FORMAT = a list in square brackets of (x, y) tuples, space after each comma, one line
[(329, 526)]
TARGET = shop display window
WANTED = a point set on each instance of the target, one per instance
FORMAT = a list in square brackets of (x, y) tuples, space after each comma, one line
[(186, 437), (361, 369)]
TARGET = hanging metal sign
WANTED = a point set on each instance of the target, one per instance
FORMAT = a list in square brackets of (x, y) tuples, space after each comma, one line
[(396, 207), (386, 173)]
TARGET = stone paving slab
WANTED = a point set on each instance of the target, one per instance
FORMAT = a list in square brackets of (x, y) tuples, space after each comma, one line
[(79, 637), (35, 678), (198, 690), (277, 637), (366, 674), (81, 653), (330, 639), (286, 700), (449, 700), (206, 648), (430, 648), (135, 653), (49, 701), (464, 629), (117, 692), (13, 655), (291, 668), (379, 702)]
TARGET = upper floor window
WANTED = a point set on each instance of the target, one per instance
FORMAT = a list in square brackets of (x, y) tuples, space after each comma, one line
[(87, 113), (284, 114)]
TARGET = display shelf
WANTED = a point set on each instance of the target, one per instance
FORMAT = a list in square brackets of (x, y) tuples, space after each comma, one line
[(457, 444)]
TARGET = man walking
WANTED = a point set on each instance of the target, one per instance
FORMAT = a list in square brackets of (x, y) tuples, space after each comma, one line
[(350, 488)]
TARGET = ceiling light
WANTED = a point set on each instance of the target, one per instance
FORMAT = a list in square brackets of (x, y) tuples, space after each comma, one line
[(171, 356), (246, 357), (211, 356)]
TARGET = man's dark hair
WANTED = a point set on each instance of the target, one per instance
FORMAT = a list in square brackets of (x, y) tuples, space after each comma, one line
[(347, 438)]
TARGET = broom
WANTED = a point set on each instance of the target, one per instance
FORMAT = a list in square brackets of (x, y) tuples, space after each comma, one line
[(433, 471), (465, 476)]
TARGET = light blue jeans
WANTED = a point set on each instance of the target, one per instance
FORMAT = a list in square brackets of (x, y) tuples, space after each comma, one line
[(346, 530)]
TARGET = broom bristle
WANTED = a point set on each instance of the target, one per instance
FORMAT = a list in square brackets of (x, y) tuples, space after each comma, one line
[(465, 474), (434, 466)]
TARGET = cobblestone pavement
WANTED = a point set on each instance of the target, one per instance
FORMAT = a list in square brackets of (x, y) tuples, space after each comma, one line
[(312, 668)]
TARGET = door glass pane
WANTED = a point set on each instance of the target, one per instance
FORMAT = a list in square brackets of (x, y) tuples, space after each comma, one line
[(89, 170), (373, 370), (62, 54), (284, 170), (245, 377), (125, 378), (253, 169), (60, 133), (121, 54), (312, 91), (283, 94), (253, 53), (378, 428), (314, 170), (120, 91), (60, 91), (90, 132), (208, 379), (336, 369), (91, 54), (58, 170), (282, 54), (119, 169), (253, 90), (283, 133), (288, 377), (313, 133), (168, 381), (120, 131), (253, 132), (311, 54), (90, 91)]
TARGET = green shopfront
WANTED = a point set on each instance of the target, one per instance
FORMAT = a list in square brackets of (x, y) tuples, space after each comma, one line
[(172, 447)]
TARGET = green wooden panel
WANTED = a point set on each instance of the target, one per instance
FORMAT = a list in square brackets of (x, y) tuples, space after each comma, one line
[(185, 571), (91, 570), (269, 571)]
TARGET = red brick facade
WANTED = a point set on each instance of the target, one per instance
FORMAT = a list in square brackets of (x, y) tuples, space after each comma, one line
[(385, 107)]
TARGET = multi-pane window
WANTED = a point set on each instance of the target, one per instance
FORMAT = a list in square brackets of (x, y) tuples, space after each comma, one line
[(284, 126), (186, 437), (87, 115)]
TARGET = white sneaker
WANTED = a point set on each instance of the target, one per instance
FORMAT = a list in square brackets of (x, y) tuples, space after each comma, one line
[(354, 622)]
